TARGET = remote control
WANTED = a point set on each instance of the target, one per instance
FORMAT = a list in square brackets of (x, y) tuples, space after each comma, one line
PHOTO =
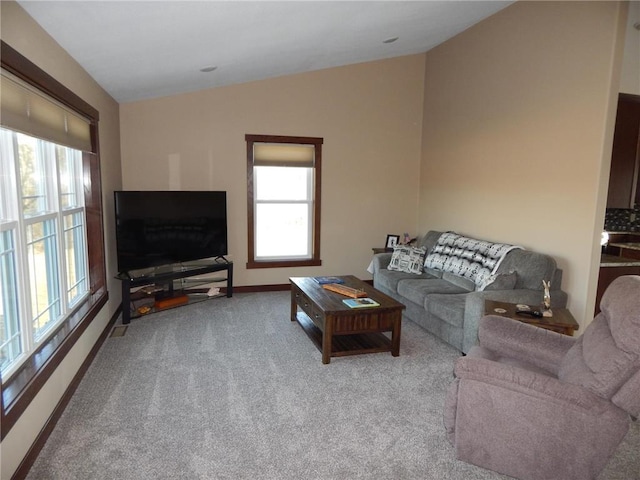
[(531, 313)]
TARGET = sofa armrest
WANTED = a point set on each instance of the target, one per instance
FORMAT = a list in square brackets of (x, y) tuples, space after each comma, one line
[(540, 386), (380, 261), (536, 346)]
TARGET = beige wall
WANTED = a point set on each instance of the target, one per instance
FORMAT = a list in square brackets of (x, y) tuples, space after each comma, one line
[(24, 35), (370, 116), (518, 120), (630, 76)]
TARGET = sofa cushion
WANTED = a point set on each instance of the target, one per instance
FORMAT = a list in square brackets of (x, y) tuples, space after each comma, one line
[(416, 290), (447, 307), (389, 279), (459, 281), (531, 268), (433, 272), (407, 259)]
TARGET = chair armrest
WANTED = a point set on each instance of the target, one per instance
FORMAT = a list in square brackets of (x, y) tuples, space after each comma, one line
[(380, 261), (542, 387), (537, 346)]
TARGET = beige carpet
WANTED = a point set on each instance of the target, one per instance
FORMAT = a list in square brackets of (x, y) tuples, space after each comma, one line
[(231, 389)]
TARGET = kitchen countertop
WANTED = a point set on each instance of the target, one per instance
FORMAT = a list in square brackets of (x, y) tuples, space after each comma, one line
[(614, 261), (629, 245)]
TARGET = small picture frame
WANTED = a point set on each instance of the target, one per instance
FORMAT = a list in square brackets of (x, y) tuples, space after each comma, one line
[(392, 241)]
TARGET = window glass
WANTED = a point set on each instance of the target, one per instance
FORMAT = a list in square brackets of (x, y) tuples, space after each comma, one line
[(43, 275), (7, 193), (33, 176), (282, 230), (10, 338), (70, 167), (75, 254), (282, 183)]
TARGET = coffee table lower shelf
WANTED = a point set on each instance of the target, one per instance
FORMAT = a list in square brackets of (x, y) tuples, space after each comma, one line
[(342, 345)]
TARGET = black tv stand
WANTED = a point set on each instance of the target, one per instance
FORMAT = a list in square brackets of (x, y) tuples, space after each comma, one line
[(157, 290)]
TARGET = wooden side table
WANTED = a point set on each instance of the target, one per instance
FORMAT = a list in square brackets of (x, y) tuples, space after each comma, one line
[(561, 322), (381, 250)]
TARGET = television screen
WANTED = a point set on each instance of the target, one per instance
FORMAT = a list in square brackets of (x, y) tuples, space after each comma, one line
[(156, 228)]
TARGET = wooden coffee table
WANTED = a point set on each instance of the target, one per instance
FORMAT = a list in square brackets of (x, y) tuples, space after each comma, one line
[(338, 330)]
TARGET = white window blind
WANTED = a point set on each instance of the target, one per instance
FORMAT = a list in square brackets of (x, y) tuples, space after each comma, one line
[(283, 155), (26, 110)]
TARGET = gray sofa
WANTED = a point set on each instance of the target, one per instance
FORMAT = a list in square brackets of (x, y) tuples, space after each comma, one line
[(450, 307)]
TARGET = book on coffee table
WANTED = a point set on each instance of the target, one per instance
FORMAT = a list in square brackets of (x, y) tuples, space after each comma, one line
[(326, 280), (360, 302)]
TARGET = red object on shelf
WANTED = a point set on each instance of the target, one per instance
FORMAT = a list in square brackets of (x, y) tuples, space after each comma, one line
[(172, 302)]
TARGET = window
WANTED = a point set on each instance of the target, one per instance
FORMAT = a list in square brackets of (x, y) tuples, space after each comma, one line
[(283, 181), (43, 244), (52, 271)]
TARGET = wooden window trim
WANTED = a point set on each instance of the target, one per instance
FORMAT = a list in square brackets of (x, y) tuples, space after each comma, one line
[(315, 259), (19, 390)]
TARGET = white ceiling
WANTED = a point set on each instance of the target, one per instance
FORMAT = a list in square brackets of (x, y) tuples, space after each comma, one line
[(144, 49)]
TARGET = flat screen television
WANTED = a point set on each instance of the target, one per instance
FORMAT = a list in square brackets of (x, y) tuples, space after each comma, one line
[(155, 228)]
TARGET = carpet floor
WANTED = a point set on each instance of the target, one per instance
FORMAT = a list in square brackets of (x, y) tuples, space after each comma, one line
[(231, 389)]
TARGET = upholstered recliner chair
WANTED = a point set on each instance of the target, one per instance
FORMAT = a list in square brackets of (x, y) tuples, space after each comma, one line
[(534, 404)]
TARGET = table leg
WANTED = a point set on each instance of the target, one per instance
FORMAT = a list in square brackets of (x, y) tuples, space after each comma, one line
[(294, 306), (395, 335), (327, 336), (126, 302)]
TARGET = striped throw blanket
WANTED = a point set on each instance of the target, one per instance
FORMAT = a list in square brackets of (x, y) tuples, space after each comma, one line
[(467, 257)]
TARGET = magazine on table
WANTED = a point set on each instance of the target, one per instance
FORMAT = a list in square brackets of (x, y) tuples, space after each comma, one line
[(364, 302)]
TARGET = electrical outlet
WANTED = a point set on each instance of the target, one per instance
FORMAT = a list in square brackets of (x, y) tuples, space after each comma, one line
[(632, 217)]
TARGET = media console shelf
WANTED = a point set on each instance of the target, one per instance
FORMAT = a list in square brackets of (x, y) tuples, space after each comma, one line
[(157, 288)]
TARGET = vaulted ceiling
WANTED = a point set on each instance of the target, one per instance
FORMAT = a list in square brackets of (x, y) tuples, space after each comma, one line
[(145, 49)]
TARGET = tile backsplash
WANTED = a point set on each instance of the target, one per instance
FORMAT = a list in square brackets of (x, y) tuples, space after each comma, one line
[(622, 219)]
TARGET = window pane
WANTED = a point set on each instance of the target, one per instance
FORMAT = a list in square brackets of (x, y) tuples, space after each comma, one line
[(282, 230), (32, 176), (7, 177), (282, 183), (69, 172), (10, 335), (75, 254), (43, 275)]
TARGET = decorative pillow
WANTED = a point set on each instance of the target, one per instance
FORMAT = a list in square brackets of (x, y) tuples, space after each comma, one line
[(499, 281), (459, 281), (407, 259)]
